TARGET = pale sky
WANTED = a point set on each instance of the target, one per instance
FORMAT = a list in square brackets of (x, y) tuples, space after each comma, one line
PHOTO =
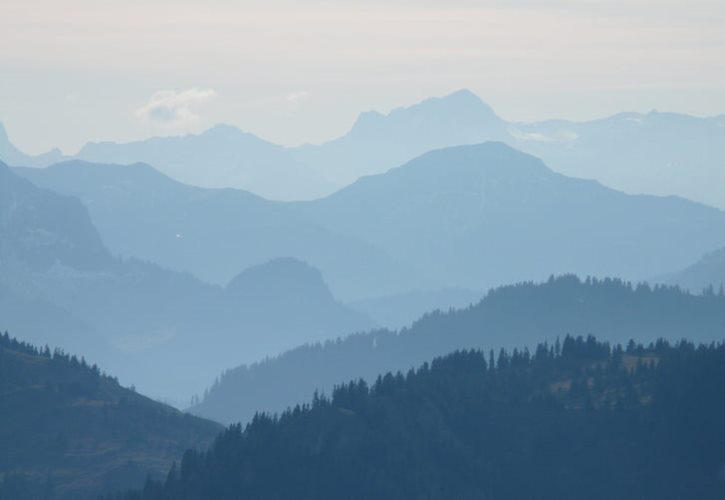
[(291, 72)]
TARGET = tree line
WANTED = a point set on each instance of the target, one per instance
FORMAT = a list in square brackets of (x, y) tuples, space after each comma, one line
[(573, 419)]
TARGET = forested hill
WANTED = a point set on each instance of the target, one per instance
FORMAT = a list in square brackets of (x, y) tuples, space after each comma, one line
[(519, 315), (570, 421), (67, 431)]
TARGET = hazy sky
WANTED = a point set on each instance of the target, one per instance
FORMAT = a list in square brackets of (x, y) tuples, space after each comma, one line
[(293, 72)]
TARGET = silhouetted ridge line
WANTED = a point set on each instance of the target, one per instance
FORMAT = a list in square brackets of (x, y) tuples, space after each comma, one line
[(70, 432), (509, 316)]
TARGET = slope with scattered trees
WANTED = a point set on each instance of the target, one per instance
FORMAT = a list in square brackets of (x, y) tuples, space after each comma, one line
[(68, 431), (565, 421)]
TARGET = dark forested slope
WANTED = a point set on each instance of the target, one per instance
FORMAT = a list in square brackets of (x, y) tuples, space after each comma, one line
[(520, 315), (570, 421), (67, 431)]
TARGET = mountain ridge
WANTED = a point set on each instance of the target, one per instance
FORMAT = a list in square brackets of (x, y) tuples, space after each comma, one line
[(138, 318), (512, 316), (651, 153), (473, 210), (485, 214), (143, 213)]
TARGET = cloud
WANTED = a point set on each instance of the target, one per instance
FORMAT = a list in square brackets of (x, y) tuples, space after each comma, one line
[(174, 109), (297, 96)]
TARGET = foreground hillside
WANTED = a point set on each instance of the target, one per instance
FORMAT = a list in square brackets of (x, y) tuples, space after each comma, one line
[(570, 421), (67, 431), (521, 315)]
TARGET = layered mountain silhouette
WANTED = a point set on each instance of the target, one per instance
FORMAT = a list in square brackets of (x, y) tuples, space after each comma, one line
[(45, 234), (511, 316), (215, 233), (165, 331), (223, 156), (483, 215), (377, 142), (652, 153), (468, 217), (69, 432)]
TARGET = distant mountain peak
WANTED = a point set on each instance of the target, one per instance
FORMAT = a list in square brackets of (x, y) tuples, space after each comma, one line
[(459, 101), (438, 115), (224, 129), (368, 120), (464, 96)]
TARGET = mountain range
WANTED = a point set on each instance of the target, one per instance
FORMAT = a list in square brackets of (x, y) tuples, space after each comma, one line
[(465, 218), (511, 316), (223, 156), (652, 153), (462, 218), (468, 217), (483, 215), (215, 233), (159, 329)]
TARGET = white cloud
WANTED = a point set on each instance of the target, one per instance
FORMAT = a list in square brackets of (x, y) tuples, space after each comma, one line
[(297, 96), (175, 109)]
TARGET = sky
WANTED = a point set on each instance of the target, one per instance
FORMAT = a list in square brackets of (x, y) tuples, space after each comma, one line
[(301, 71)]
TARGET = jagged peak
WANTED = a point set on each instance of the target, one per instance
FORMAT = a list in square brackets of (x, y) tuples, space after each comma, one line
[(368, 118), (460, 100), (461, 103)]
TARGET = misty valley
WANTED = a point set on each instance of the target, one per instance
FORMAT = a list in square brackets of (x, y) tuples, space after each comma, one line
[(439, 304)]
